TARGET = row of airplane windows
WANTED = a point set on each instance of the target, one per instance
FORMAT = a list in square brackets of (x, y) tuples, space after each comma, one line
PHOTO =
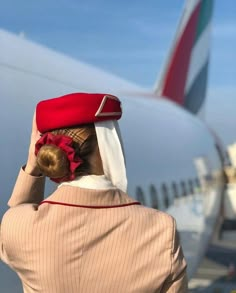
[(165, 199)]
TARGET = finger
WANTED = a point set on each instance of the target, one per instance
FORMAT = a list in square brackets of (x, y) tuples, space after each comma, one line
[(34, 125)]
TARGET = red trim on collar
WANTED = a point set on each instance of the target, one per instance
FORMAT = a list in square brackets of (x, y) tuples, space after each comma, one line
[(90, 207)]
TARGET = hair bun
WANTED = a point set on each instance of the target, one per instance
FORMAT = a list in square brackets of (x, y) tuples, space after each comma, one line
[(52, 161)]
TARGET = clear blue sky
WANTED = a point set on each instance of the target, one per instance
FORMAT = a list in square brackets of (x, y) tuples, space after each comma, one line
[(131, 39)]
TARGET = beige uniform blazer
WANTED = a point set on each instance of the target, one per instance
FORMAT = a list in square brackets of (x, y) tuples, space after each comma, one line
[(88, 241)]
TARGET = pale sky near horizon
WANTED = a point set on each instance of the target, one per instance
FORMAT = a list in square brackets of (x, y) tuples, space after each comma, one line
[(131, 39)]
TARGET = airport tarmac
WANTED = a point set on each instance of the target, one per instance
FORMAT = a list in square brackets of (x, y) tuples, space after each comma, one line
[(217, 271)]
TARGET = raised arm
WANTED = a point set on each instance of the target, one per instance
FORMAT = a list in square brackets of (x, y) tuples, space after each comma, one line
[(29, 186)]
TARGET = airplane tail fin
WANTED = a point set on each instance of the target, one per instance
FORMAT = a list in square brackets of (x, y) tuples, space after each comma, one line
[(184, 79)]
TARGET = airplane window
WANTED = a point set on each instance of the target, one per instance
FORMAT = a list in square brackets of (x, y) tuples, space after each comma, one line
[(154, 197), (197, 183), (183, 188), (191, 188), (140, 195), (165, 195), (175, 190)]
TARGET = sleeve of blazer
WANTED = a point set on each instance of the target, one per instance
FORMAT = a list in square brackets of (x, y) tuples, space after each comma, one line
[(3, 255), (27, 189), (177, 281)]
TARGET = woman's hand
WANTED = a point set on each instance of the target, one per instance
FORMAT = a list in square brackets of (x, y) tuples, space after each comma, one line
[(31, 165)]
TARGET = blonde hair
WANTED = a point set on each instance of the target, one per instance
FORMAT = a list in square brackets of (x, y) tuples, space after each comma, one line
[(53, 162)]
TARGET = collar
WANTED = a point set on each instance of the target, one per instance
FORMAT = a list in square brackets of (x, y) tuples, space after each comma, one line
[(91, 182), (73, 196)]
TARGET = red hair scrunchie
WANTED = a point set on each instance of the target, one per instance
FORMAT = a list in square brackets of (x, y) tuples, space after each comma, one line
[(65, 144)]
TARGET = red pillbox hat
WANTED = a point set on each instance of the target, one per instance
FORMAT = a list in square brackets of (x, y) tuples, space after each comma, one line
[(76, 109)]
